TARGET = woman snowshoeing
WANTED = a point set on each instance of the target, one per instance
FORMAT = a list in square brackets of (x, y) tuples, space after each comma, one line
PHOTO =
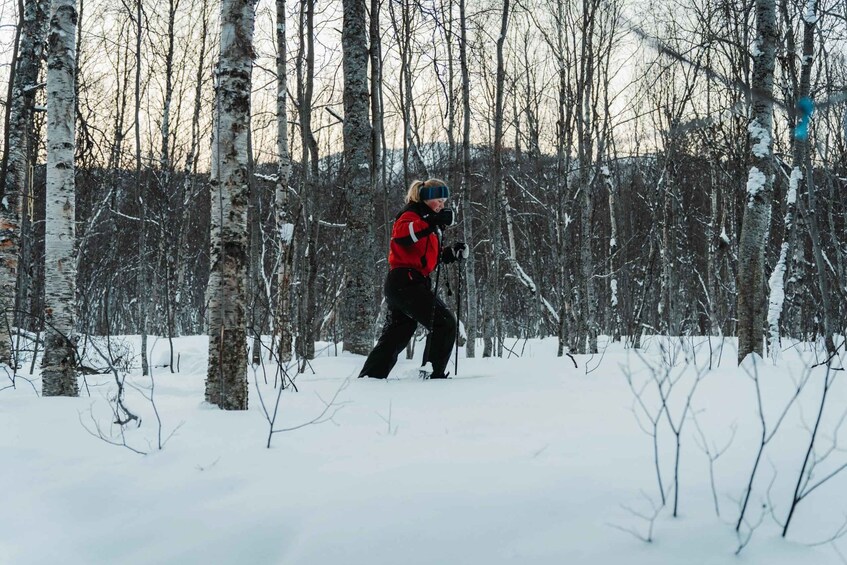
[(414, 252)]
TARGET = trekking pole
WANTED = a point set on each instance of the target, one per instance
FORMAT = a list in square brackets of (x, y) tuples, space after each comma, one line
[(432, 316), (458, 313)]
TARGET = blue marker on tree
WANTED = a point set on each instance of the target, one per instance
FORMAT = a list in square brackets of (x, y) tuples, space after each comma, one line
[(806, 108)]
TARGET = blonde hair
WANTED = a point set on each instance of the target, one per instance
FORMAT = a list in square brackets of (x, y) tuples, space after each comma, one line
[(414, 192)]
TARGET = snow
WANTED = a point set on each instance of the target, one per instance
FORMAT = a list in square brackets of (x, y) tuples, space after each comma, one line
[(755, 184), (524, 277), (761, 139), (286, 232), (724, 237), (613, 284), (269, 178), (777, 296), (517, 460), (793, 183)]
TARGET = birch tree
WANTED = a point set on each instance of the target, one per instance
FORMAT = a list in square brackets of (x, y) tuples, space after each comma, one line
[(285, 228), (59, 361), (19, 150), (803, 162), (306, 227), (592, 49), (143, 263), (403, 24), (776, 282), (166, 170), (467, 209), (759, 191), (493, 323), (187, 189), (226, 382), (378, 172), (359, 296), (565, 110)]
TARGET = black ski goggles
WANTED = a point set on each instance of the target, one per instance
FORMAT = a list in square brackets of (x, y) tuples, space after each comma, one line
[(434, 192)]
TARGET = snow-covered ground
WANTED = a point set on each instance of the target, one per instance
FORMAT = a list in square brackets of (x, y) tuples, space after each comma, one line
[(524, 459)]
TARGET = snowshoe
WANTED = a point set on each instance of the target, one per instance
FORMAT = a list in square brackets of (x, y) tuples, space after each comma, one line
[(424, 374)]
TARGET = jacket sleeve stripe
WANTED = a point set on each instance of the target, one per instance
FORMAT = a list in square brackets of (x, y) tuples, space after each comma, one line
[(412, 232)]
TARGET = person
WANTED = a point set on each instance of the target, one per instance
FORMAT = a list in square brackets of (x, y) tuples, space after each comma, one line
[(414, 253)]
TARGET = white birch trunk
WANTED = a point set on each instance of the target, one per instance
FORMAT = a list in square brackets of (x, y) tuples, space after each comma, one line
[(493, 316), (614, 261), (285, 229), (757, 212), (226, 382), (143, 284), (804, 152), (59, 362), (467, 210)]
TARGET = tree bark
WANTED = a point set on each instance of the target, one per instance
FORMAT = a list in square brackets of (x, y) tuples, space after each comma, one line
[(358, 297), (33, 31)]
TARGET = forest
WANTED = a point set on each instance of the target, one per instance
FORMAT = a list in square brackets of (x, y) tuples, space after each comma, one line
[(618, 168)]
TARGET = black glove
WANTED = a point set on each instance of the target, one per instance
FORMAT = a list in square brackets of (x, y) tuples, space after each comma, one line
[(453, 254), (460, 250), (443, 218)]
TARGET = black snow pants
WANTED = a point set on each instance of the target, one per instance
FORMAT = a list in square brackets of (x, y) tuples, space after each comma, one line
[(411, 302)]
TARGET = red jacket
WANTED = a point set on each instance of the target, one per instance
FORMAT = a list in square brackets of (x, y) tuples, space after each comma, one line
[(414, 243)]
